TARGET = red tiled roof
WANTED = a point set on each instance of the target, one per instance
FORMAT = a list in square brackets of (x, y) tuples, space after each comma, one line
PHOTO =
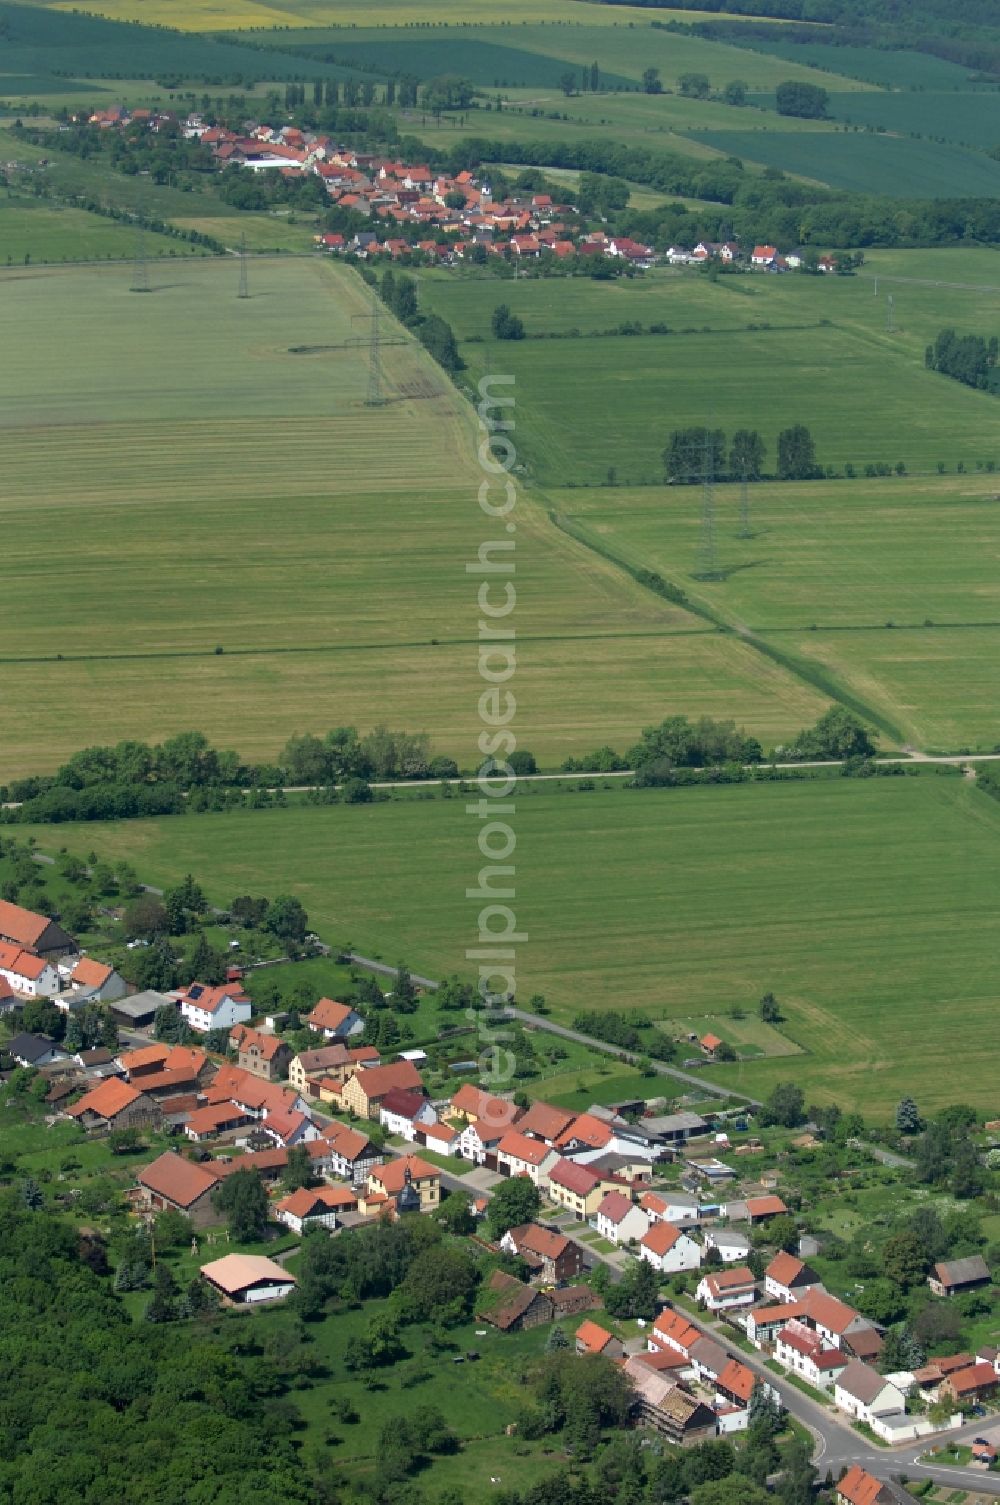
[(107, 1099), (578, 1179), (761, 1207), (593, 1337), (329, 1014), (736, 1379), (90, 973), (661, 1238), (539, 1240), (178, 1180), (784, 1268), (519, 1147), (147, 1055), (376, 1081), (392, 1177), (545, 1121), (22, 925)]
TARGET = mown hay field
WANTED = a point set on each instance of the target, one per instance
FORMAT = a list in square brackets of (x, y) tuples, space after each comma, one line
[(254, 551), (866, 906), (888, 589)]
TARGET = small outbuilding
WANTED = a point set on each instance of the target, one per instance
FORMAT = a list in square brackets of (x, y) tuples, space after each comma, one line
[(245, 1279)]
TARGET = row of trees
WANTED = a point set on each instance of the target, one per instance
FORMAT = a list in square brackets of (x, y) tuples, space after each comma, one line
[(135, 777), (967, 358), (679, 743), (436, 335), (696, 453)]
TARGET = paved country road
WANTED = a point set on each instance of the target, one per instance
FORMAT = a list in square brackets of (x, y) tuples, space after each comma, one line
[(538, 1021)]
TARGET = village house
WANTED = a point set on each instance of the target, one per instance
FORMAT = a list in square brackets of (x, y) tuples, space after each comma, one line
[(545, 1122), (35, 1050), (788, 1279), (733, 1246), (620, 1220), (576, 1188), (114, 1104), (969, 1386), (101, 983), (491, 1116), (334, 1021), (171, 1181), (30, 975), (586, 1133), (442, 1138), (668, 1249), (511, 1306), (590, 1337), (330, 1062), (953, 1277), (517, 1155), (314, 1208), (364, 1091), (670, 1207), (724, 1290), (671, 1329), (803, 1351), (866, 1395), (552, 1257), (204, 1008), (857, 1487), (662, 1403), (261, 1054), (401, 1113), (248, 1279), (28, 931), (408, 1171), (734, 1386), (347, 1153)]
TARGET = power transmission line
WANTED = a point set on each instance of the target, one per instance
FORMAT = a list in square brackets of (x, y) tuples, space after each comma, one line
[(244, 291), (708, 564), (140, 270)]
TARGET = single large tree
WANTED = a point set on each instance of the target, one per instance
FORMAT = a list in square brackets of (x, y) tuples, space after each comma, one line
[(747, 453), (796, 454), (513, 1202), (244, 1201)]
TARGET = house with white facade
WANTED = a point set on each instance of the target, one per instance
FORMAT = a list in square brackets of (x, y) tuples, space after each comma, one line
[(727, 1290), (866, 1395), (668, 1249), (28, 974), (400, 1112), (205, 1008), (788, 1279), (620, 1220), (733, 1246)]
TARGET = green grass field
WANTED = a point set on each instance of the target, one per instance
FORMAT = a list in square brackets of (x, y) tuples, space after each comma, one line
[(863, 162), (32, 230), (242, 497), (827, 567), (865, 906)]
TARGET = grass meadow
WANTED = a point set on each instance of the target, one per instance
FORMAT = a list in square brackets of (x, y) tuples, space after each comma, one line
[(241, 497), (866, 162), (865, 906), (887, 587), (743, 350)]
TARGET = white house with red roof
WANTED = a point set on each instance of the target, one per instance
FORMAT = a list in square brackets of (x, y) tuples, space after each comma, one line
[(620, 1220), (725, 1290), (28, 974), (787, 1278), (517, 1155), (101, 983), (205, 1008), (668, 1249), (401, 1112), (334, 1021)]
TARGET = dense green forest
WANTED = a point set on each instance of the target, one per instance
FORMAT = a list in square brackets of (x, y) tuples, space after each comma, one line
[(98, 1411)]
